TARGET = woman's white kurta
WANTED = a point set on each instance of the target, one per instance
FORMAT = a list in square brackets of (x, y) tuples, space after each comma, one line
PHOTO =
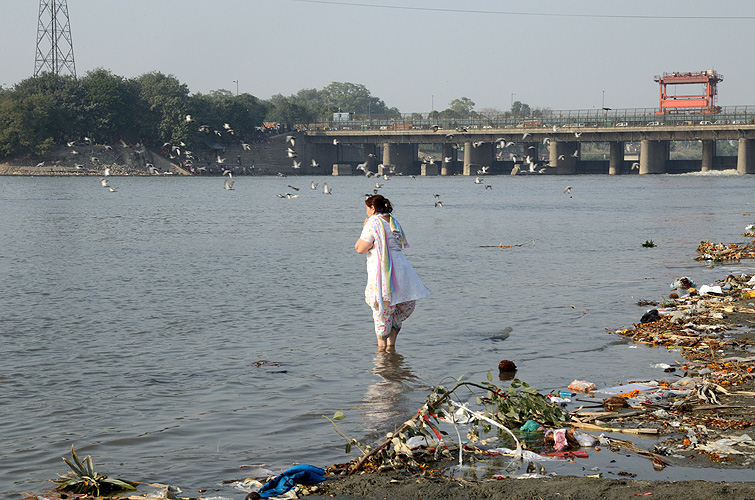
[(408, 285)]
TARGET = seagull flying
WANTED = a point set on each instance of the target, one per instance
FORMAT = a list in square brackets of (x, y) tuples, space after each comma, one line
[(229, 184), (326, 189)]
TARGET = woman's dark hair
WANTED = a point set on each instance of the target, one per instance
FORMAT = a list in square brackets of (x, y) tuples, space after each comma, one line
[(379, 203)]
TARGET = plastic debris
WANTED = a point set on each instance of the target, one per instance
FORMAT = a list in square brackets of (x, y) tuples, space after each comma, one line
[(682, 283), (623, 389), (526, 454), (725, 446), (582, 386), (530, 426), (708, 289)]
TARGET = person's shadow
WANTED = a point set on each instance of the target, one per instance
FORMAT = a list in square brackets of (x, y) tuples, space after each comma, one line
[(385, 403)]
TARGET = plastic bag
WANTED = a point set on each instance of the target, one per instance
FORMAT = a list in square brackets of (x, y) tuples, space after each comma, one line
[(582, 386)]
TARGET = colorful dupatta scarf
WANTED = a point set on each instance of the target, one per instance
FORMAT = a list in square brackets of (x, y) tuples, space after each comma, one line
[(385, 281)]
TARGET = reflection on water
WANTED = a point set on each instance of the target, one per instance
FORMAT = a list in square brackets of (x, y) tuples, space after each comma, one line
[(386, 400)]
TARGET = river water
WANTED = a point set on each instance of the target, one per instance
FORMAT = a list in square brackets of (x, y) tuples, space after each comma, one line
[(132, 322)]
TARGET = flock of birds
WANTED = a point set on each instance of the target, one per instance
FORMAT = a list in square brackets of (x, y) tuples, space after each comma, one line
[(385, 172), (533, 165)]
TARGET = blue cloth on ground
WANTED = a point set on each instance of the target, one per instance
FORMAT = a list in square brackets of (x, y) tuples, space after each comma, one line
[(298, 474)]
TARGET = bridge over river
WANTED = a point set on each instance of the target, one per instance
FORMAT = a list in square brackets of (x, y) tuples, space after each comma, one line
[(553, 141)]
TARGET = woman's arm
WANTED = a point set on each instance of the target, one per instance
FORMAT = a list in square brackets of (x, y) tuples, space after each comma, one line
[(362, 246)]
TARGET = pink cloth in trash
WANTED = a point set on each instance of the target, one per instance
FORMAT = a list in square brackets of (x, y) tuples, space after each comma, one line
[(559, 439)]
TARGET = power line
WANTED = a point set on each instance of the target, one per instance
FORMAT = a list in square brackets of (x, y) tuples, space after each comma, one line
[(533, 14)]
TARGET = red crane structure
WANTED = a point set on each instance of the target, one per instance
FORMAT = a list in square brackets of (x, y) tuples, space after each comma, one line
[(701, 103)]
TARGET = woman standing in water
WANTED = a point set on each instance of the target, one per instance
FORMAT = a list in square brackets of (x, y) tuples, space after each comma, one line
[(392, 284)]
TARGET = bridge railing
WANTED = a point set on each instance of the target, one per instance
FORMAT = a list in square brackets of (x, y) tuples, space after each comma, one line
[(632, 117)]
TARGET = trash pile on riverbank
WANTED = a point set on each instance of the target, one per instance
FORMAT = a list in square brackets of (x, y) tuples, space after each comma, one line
[(708, 401)]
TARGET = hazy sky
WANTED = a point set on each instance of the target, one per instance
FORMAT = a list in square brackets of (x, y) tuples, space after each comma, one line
[(413, 54)]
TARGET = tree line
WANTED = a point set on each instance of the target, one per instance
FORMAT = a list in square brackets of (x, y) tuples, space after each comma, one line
[(48, 110)]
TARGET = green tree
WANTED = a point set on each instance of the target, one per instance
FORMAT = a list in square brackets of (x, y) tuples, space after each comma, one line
[(520, 109), (38, 113), (352, 98), (241, 112), (287, 110), (162, 108), (110, 101), (462, 107)]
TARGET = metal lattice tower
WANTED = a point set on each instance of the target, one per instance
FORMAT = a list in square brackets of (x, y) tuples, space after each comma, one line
[(54, 43)]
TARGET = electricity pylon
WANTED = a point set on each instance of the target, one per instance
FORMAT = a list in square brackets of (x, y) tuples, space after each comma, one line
[(54, 43)]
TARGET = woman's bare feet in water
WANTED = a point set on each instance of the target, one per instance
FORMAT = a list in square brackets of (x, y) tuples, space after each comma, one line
[(391, 340)]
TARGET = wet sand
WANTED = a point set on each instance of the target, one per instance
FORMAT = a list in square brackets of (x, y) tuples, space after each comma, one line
[(396, 486)]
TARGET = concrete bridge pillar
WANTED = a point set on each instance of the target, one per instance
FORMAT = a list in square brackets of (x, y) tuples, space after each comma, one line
[(477, 157), (343, 169), (562, 156), (616, 158), (709, 152), (326, 155), (746, 156), (400, 156), (653, 156), (429, 169), (448, 167)]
